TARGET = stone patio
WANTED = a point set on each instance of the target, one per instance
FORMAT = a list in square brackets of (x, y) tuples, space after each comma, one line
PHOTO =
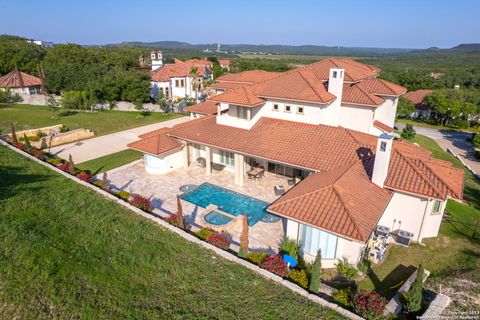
[(163, 190)]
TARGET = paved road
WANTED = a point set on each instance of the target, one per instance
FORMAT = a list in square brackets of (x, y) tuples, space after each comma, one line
[(455, 140), (89, 149)]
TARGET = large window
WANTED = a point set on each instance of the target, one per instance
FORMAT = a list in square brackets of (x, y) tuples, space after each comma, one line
[(241, 112), (313, 239), (436, 207), (227, 158)]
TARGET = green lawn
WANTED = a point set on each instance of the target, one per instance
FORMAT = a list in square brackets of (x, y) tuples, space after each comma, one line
[(110, 161), (67, 252), (100, 122), (453, 257), (431, 125)]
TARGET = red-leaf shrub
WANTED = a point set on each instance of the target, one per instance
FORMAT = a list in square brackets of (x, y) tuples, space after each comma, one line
[(20, 146), (275, 264), (64, 166), (369, 305), (219, 240), (142, 202), (84, 176), (172, 219)]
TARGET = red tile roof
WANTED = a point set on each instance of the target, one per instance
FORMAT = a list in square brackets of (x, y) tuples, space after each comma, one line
[(242, 96), (417, 97), (224, 62), (208, 107), (382, 126), (248, 77), (357, 95), (354, 71), (18, 79), (382, 87), (164, 73), (343, 201), (227, 85)]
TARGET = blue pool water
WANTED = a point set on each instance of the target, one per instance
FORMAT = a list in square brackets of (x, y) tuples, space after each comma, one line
[(217, 218), (229, 201)]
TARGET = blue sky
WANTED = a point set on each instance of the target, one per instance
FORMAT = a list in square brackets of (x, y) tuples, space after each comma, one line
[(374, 23)]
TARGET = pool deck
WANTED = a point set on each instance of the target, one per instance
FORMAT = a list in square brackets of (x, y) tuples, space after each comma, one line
[(163, 190)]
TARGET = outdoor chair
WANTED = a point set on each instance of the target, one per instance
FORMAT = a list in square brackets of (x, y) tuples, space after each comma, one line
[(279, 190)]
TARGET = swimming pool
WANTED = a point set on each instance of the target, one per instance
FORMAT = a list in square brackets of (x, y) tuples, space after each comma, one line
[(217, 218), (227, 200)]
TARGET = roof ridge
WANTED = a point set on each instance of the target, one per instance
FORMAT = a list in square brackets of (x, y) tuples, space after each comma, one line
[(338, 193), (308, 82), (417, 170), (440, 177), (364, 91)]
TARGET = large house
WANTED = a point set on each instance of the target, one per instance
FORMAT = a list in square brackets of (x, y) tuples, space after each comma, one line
[(180, 79), (235, 80), (417, 97), (328, 127), (21, 82)]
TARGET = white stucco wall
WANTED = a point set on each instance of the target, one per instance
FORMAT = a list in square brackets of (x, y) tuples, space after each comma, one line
[(163, 163), (356, 118), (386, 111)]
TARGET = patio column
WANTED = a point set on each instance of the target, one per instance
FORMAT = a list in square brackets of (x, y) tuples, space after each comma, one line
[(208, 159), (239, 169), (185, 155)]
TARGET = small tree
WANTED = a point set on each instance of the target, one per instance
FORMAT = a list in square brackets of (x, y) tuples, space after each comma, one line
[(51, 102), (243, 252), (28, 146), (162, 101), (316, 273), (105, 180), (408, 132), (180, 218), (413, 299), (14, 136), (71, 165)]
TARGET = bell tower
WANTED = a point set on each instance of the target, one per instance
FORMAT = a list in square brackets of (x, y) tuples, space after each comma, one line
[(157, 59)]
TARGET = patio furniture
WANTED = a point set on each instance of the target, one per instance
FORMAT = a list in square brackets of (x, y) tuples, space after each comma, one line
[(217, 167), (201, 162), (279, 190), (256, 173), (291, 182)]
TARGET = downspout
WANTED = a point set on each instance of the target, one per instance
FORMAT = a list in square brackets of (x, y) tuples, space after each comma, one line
[(422, 224)]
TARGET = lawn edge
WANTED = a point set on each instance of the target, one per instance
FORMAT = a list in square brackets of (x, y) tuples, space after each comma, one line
[(224, 254)]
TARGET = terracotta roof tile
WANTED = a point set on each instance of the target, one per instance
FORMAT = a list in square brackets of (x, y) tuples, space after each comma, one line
[(382, 87), (227, 85), (357, 95), (249, 76), (243, 96), (343, 201), (354, 71), (417, 97), (18, 79), (224, 62), (207, 107), (382, 126)]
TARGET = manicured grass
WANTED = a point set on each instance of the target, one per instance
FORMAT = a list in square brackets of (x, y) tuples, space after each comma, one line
[(426, 124), (100, 122), (110, 161), (67, 252), (453, 257)]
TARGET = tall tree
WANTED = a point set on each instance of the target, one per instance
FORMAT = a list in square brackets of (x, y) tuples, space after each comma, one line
[(316, 273), (244, 238)]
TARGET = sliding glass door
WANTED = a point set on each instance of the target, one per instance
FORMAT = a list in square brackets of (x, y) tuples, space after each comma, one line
[(313, 239)]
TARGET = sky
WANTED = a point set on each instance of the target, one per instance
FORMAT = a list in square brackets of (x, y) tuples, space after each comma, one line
[(352, 23)]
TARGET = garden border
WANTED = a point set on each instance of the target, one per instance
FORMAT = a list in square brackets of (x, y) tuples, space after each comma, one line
[(266, 274)]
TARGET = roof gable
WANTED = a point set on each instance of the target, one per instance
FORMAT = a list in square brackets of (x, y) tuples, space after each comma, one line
[(18, 79)]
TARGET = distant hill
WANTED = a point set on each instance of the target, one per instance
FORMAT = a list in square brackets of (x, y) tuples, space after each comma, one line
[(467, 47)]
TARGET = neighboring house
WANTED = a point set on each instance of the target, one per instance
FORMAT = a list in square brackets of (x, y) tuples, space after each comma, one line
[(21, 82), (180, 79), (236, 80), (327, 125), (417, 98), (225, 63)]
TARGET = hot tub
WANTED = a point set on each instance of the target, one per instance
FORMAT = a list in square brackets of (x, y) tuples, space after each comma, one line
[(217, 218)]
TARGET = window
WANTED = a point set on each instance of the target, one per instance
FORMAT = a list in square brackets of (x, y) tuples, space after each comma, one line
[(275, 107), (436, 207), (334, 74), (288, 109), (227, 158), (313, 239), (300, 110), (177, 83), (241, 112), (182, 83), (383, 146)]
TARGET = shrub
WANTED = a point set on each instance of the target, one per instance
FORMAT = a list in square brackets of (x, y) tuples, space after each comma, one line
[(343, 297), (142, 202), (219, 240), (14, 136), (71, 164), (204, 233), (100, 184), (316, 273), (20, 146), (256, 257), (84, 176), (275, 264), (476, 140), (346, 269), (289, 247), (64, 166), (64, 129), (55, 161), (124, 195), (408, 132), (40, 135), (368, 305), (299, 277), (172, 219), (28, 147), (364, 265), (413, 299)]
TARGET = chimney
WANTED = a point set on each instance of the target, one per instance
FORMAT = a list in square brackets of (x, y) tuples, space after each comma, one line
[(335, 87), (157, 59), (382, 159)]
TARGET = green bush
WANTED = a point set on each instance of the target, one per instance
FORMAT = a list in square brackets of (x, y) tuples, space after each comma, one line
[(364, 265), (55, 161), (343, 297), (316, 273), (256, 257), (289, 247), (408, 132), (124, 195), (299, 277), (413, 298), (100, 184), (346, 269), (40, 135), (204, 233), (476, 140)]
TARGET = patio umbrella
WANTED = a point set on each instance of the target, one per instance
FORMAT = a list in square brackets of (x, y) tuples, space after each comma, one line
[(180, 219)]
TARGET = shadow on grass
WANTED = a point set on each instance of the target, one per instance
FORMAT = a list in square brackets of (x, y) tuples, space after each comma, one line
[(14, 179), (392, 282), (67, 113)]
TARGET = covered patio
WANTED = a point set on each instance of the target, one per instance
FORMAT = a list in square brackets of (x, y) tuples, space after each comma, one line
[(163, 189)]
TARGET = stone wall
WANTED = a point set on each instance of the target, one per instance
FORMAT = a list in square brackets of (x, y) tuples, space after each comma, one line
[(44, 130), (62, 138), (35, 99)]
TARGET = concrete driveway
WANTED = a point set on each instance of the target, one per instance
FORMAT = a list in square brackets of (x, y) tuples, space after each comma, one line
[(454, 140), (89, 149)]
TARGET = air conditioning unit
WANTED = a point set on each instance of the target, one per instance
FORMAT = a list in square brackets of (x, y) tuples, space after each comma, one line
[(404, 237)]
